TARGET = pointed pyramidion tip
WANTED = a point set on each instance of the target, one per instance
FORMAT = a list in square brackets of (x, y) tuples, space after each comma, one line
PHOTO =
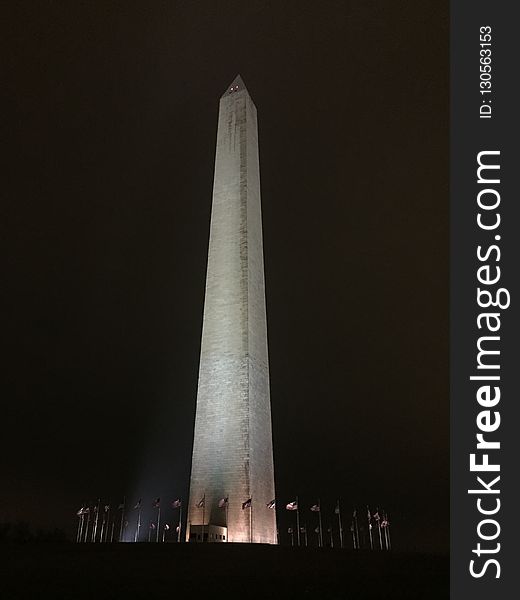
[(235, 86)]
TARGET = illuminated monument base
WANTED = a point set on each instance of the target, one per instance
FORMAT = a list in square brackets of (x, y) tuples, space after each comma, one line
[(209, 533), (232, 449)]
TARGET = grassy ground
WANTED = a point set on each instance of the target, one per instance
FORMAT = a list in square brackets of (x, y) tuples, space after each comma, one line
[(147, 571)]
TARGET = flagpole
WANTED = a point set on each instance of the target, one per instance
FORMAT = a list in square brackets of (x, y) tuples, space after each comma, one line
[(298, 521), (85, 540), (112, 531), (387, 531), (331, 537), (83, 523), (93, 532), (227, 519), (370, 528), (203, 515), (319, 519), (80, 525), (136, 537), (356, 528), (158, 522), (83, 535), (103, 525), (108, 523), (378, 520), (97, 518), (122, 519), (251, 521), (340, 527), (180, 524)]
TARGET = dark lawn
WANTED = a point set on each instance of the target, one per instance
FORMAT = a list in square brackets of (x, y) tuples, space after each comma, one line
[(139, 571)]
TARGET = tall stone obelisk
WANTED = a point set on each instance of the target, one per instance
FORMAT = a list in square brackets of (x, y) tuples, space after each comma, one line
[(232, 450)]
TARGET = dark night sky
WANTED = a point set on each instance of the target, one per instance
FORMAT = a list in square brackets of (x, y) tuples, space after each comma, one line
[(110, 133)]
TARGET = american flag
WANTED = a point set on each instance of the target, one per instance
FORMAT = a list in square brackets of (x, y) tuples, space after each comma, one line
[(223, 502), (152, 525), (271, 504), (202, 502), (157, 503), (247, 504), (315, 508), (292, 505), (138, 505), (166, 526), (176, 503)]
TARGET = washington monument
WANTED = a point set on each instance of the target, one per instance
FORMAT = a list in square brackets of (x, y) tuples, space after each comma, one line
[(232, 473)]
